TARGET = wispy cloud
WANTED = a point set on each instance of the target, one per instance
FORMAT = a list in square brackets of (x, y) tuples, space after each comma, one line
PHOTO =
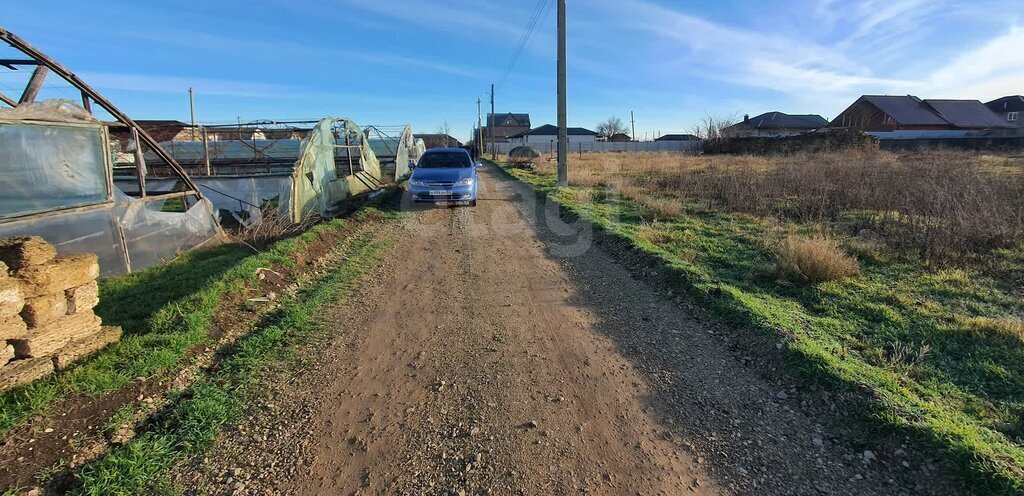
[(995, 68), (154, 83)]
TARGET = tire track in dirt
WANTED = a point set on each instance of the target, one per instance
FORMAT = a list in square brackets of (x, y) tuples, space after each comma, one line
[(483, 356)]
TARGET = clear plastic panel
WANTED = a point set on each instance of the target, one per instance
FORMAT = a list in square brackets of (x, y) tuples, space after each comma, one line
[(46, 167), (153, 236), (93, 231)]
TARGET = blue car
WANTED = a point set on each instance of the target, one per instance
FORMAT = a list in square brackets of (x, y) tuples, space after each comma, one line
[(444, 175)]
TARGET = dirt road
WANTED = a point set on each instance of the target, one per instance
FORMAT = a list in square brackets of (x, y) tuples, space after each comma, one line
[(498, 350)]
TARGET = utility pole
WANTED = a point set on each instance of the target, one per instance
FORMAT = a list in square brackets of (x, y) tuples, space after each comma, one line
[(479, 138), (563, 132), (490, 127), (192, 110), (632, 120)]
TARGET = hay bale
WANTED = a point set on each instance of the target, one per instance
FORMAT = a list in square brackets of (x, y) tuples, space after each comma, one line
[(87, 345), (21, 372), (12, 328), (59, 274), (11, 301), (6, 354), (46, 340), (42, 310), (25, 251), (83, 298), (5, 271)]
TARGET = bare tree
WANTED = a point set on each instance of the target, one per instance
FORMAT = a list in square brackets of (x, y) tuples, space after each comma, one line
[(611, 127), (445, 131), (712, 127)]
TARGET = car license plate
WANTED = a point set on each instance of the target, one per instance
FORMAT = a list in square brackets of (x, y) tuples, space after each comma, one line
[(440, 192)]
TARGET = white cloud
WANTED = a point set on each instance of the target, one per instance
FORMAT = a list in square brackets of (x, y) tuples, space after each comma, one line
[(991, 70)]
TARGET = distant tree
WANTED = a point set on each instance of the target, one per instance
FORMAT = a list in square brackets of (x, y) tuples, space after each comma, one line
[(445, 130), (713, 127), (611, 127)]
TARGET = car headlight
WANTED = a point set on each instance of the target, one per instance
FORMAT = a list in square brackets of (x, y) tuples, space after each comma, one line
[(465, 182), (417, 182)]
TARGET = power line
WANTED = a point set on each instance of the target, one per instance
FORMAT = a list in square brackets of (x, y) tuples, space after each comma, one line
[(543, 7)]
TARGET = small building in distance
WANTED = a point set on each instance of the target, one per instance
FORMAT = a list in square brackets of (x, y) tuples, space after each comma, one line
[(439, 141), (1010, 109), (505, 126), (548, 133), (883, 113), (161, 131), (775, 124), (677, 137), (617, 138)]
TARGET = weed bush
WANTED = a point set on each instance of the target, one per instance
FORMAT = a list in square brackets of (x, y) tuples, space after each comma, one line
[(815, 260)]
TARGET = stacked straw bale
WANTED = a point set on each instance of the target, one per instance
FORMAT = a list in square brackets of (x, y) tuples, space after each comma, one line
[(46, 310)]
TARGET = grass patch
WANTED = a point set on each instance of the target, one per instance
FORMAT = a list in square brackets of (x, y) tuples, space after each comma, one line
[(150, 306), (196, 415), (913, 349)]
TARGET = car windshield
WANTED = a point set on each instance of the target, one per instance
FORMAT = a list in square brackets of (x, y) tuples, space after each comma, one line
[(445, 160)]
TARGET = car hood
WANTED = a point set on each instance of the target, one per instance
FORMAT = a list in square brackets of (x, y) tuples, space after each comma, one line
[(453, 174)]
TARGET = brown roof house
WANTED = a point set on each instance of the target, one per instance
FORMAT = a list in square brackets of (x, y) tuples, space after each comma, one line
[(900, 113), (505, 125), (439, 141)]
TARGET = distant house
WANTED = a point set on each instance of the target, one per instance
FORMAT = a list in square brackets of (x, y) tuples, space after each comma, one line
[(160, 130), (776, 124), (548, 133), (505, 125), (1010, 109), (902, 113), (619, 138), (677, 137), (439, 141)]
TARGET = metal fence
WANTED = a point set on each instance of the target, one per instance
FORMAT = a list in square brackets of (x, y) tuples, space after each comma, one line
[(605, 146)]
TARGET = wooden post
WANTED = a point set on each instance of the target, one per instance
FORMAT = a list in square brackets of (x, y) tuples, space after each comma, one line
[(86, 103), (140, 163), (34, 84), (206, 152), (348, 151)]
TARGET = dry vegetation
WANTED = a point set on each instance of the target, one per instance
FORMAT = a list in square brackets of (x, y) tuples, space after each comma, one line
[(938, 204), (818, 259)]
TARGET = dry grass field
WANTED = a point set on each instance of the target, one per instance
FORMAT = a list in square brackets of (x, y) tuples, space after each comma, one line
[(939, 204), (901, 275)]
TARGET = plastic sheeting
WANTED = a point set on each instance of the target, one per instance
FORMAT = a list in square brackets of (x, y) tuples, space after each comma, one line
[(153, 236), (54, 110), (316, 185), (246, 195), (50, 166), (55, 179), (305, 179), (253, 151)]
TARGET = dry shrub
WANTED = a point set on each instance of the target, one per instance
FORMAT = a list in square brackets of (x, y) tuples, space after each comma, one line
[(937, 204), (815, 260), (273, 227), (662, 207), (581, 195)]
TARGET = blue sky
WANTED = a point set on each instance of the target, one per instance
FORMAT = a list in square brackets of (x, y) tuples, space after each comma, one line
[(424, 62)]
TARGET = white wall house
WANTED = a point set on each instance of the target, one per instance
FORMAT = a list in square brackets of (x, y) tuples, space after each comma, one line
[(547, 133)]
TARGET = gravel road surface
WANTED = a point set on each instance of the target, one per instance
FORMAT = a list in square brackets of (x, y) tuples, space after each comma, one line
[(497, 350)]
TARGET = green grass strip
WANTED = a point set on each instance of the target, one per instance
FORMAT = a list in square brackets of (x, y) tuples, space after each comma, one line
[(164, 311), (198, 414)]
